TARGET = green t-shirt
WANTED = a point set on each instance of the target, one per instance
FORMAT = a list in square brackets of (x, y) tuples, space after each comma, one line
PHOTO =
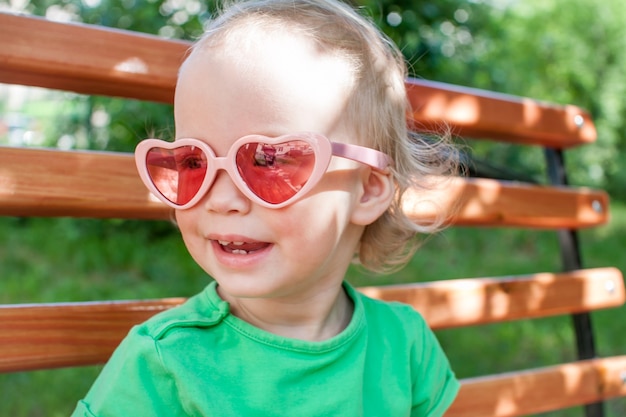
[(199, 360)]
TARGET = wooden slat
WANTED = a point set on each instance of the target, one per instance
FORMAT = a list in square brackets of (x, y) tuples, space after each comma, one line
[(50, 54), (464, 302), (540, 390), (69, 334), (478, 113), (88, 59), (36, 182), (41, 336), (486, 202)]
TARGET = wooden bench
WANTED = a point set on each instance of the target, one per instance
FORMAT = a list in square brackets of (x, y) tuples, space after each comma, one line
[(41, 53)]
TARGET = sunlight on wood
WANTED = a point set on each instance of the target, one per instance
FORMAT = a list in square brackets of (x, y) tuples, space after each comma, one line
[(133, 65), (480, 114), (480, 201), (8, 184), (540, 390), (462, 110), (462, 302), (531, 112), (52, 335), (153, 64)]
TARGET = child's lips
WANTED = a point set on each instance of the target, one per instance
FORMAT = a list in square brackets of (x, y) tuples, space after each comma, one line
[(240, 254), (241, 247)]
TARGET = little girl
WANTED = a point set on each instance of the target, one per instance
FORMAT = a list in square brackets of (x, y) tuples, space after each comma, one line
[(291, 158)]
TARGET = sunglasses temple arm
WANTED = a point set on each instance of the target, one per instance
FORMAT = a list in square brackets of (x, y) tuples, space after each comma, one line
[(371, 157)]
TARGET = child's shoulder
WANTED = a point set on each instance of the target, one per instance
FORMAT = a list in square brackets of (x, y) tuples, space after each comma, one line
[(398, 329), (389, 314), (200, 311)]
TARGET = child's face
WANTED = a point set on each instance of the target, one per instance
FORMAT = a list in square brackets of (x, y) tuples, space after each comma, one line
[(270, 85)]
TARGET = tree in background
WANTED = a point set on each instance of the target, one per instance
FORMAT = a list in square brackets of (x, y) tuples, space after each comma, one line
[(566, 51)]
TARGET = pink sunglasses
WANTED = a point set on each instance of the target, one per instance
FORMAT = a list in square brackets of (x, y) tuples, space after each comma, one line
[(272, 172)]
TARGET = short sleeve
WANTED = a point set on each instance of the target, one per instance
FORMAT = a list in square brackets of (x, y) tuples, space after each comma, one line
[(133, 382), (434, 383)]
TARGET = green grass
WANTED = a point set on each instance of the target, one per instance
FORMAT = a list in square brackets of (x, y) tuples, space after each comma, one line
[(48, 260)]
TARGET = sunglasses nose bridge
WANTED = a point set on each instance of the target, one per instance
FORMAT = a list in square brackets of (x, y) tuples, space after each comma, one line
[(220, 193), (222, 163)]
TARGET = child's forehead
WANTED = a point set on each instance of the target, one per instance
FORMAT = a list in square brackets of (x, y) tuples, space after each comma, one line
[(329, 33), (263, 82), (261, 54), (241, 36)]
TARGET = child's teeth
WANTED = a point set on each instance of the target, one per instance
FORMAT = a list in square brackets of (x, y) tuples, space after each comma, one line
[(229, 246), (226, 243)]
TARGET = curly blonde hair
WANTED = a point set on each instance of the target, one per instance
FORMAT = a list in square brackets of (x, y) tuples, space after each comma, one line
[(377, 109)]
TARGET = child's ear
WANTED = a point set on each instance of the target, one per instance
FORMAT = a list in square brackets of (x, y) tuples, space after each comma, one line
[(378, 191)]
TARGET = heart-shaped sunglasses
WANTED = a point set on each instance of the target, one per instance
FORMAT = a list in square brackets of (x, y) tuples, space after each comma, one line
[(272, 172)]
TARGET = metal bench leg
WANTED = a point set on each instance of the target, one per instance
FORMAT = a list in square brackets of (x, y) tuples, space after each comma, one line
[(571, 260)]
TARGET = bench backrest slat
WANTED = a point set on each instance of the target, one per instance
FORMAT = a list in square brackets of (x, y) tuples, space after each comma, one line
[(98, 184), (40, 336), (539, 390), (53, 335), (50, 54), (467, 302), (477, 113), (61, 56), (44, 182), (486, 202)]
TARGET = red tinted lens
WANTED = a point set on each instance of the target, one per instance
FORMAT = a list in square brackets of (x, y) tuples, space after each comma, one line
[(275, 172), (177, 173)]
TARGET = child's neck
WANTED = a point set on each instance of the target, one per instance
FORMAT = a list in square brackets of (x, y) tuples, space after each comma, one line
[(316, 319)]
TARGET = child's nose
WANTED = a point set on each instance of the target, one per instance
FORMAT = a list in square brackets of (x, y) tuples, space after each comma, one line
[(224, 197)]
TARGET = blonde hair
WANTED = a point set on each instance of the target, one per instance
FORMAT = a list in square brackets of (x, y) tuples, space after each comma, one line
[(377, 109)]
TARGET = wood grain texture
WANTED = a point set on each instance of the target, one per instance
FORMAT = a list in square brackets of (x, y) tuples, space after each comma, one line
[(474, 113), (486, 202), (128, 64), (41, 336), (36, 182), (466, 302), (61, 56), (37, 336), (525, 393)]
